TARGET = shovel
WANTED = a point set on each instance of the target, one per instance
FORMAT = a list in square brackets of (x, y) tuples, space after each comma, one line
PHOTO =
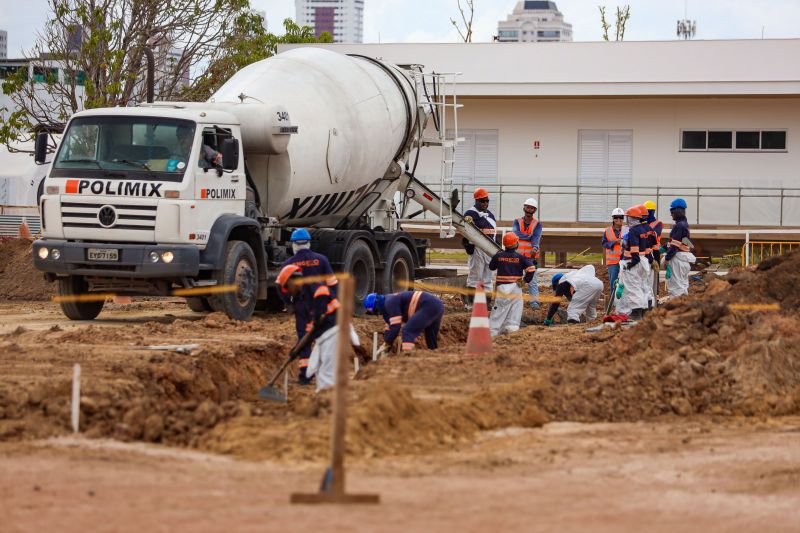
[(269, 392), (613, 297)]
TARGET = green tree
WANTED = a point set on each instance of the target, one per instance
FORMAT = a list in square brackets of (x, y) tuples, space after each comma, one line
[(92, 54), (246, 44)]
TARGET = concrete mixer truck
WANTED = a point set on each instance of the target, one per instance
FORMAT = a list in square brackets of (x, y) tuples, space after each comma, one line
[(133, 204)]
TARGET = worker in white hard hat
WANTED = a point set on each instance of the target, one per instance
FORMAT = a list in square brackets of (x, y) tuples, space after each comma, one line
[(529, 231), (612, 245)]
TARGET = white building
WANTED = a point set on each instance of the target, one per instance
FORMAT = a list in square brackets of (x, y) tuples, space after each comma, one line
[(532, 22), (3, 44), (344, 19), (589, 126)]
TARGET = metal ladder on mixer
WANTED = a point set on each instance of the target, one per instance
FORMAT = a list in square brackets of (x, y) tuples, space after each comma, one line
[(437, 96)]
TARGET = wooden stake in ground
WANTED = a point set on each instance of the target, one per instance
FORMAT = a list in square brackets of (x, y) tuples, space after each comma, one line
[(332, 490)]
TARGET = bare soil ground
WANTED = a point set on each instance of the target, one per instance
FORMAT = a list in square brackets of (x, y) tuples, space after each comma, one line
[(689, 419)]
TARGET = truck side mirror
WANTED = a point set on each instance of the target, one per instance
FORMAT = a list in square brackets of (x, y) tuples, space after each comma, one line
[(40, 148), (230, 154)]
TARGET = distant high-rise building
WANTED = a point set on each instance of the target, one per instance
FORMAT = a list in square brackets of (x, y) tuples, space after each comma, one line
[(534, 21), (344, 19), (74, 37), (3, 44)]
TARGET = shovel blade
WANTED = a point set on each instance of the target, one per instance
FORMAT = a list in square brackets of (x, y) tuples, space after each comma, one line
[(271, 393)]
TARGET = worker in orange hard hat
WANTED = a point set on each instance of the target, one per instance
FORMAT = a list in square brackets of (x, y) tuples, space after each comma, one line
[(478, 260), (512, 268), (635, 264)]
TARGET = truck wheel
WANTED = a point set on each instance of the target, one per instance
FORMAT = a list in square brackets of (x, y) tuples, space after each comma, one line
[(358, 261), (399, 271), (240, 269), (74, 286), (198, 304)]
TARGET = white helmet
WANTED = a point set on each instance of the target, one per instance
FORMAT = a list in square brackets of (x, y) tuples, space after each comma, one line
[(617, 212), (532, 202)]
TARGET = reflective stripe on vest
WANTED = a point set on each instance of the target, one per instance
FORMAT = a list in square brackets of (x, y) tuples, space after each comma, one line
[(412, 305), (657, 235), (525, 247), (612, 254)]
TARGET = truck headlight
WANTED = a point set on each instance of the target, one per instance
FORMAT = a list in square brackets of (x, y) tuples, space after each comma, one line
[(43, 253), (154, 257), (56, 253), (167, 257)]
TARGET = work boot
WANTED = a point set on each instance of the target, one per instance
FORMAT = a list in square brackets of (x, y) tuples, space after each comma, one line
[(302, 379), (535, 306), (637, 314)]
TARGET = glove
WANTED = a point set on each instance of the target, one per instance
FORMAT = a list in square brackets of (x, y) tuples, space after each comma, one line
[(620, 290), (535, 263), (468, 219), (548, 321), (663, 250), (669, 271)]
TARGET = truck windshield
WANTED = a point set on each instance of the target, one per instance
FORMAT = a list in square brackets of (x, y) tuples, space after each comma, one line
[(134, 147)]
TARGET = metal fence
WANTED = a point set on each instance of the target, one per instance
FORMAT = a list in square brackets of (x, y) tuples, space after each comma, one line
[(735, 206), (9, 224)]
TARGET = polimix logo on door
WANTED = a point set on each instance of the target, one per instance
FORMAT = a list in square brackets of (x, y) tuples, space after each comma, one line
[(218, 194)]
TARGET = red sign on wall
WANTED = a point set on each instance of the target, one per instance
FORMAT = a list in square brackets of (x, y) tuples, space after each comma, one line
[(535, 145)]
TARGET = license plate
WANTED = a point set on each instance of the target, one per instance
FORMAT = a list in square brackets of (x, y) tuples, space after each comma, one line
[(103, 254)]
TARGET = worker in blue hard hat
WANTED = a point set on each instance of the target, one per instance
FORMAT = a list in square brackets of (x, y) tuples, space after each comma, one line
[(678, 253), (421, 312), (313, 265), (582, 289)]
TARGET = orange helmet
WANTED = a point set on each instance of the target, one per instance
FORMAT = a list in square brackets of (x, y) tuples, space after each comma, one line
[(480, 192), (637, 211), (287, 273), (510, 240)]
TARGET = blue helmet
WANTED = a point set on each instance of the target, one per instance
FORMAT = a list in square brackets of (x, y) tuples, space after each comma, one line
[(556, 280), (369, 302), (678, 202), (300, 234)]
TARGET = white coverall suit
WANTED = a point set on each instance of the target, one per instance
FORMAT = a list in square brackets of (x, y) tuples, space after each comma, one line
[(587, 291), (679, 266), (478, 262), (323, 357), (506, 312), (636, 282)]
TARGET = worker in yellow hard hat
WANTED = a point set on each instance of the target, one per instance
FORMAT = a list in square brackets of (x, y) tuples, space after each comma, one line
[(656, 227)]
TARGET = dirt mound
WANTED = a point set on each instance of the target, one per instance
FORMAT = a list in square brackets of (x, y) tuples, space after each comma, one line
[(18, 279)]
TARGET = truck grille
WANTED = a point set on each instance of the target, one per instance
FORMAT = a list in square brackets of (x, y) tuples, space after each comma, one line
[(121, 216)]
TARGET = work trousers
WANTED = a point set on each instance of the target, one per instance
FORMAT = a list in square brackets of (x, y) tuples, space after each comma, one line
[(478, 264), (635, 280), (613, 274), (427, 319), (680, 266), (322, 362), (507, 310), (533, 291), (584, 300)]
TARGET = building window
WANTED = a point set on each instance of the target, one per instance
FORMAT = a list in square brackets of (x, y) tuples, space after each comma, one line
[(508, 34), (693, 140), (733, 140), (549, 34)]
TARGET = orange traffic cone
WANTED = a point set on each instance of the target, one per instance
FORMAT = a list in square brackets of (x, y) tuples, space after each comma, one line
[(24, 230), (479, 339)]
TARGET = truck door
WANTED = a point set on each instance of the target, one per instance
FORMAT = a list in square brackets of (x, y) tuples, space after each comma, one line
[(218, 191)]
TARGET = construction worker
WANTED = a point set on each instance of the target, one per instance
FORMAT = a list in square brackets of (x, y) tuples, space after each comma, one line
[(322, 305), (420, 311), (679, 257), (582, 289), (529, 231), (478, 260), (512, 267), (612, 245), (312, 265), (656, 228), (634, 275)]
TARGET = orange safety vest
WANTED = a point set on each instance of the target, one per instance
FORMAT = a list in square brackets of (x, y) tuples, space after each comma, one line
[(525, 248), (613, 254)]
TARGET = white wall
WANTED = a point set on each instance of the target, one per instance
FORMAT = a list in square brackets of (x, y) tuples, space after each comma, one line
[(656, 125)]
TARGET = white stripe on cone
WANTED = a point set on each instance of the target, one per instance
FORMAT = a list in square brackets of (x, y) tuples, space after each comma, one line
[(479, 322)]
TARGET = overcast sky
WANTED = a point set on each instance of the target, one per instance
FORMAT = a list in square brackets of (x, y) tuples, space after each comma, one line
[(428, 20)]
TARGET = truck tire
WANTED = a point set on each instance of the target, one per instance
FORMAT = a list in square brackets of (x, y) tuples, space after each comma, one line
[(198, 304), (359, 262), (399, 271), (73, 286), (240, 269)]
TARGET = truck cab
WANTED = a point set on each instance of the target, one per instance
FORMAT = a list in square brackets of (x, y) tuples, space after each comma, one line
[(150, 201)]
